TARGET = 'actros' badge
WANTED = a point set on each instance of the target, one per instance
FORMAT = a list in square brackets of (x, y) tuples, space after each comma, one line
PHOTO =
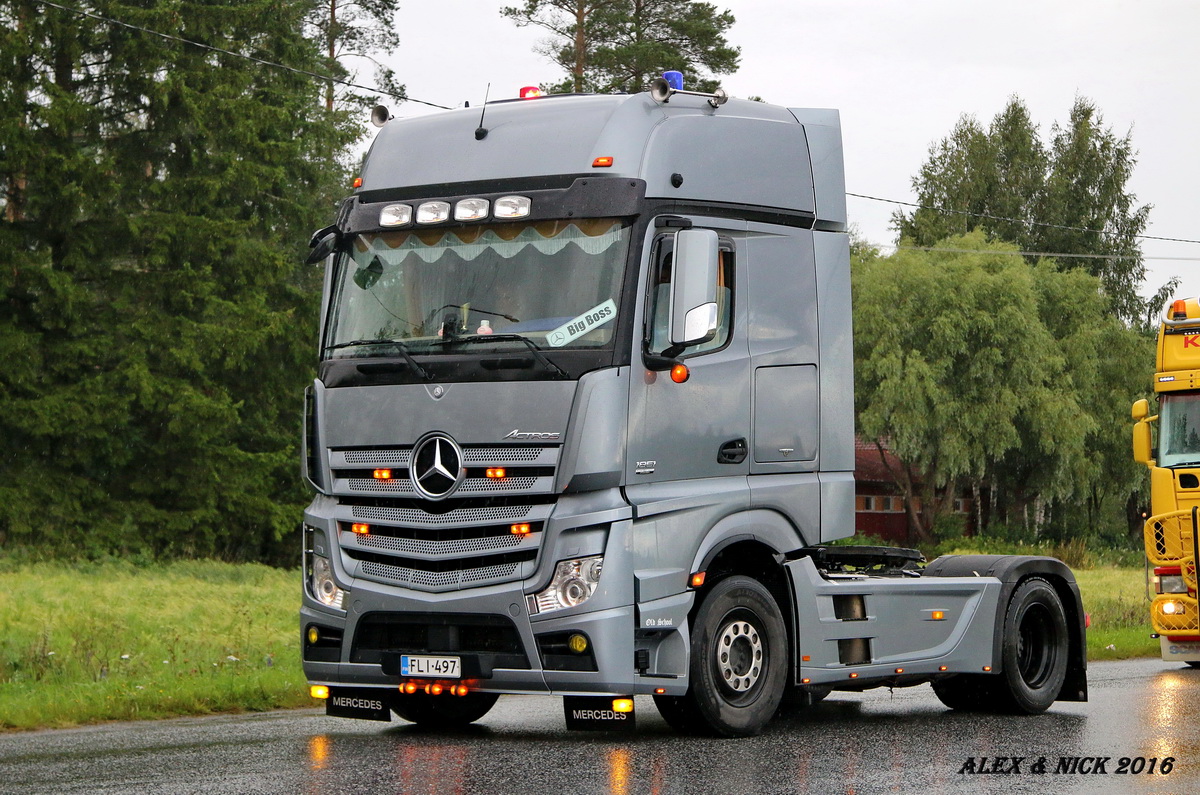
[(437, 466)]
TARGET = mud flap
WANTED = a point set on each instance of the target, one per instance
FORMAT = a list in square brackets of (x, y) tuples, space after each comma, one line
[(365, 703), (598, 713)]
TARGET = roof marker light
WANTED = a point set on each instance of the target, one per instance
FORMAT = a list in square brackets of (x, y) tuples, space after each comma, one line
[(512, 207), (530, 92), (358, 182), (1179, 310)]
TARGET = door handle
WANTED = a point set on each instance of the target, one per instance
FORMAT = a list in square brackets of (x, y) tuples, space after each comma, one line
[(732, 452)]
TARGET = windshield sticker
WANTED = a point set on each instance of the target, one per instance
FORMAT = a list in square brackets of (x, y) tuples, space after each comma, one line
[(577, 327)]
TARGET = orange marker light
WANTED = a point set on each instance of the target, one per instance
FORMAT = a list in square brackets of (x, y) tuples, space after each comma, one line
[(987, 669), (938, 615), (853, 676), (496, 472), (1178, 308), (943, 668), (522, 529), (806, 658), (434, 689), (899, 670), (622, 705), (408, 687), (358, 182), (382, 474), (658, 691), (602, 162), (698, 579), (361, 529), (805, 681), (318, 691), (680, 373)]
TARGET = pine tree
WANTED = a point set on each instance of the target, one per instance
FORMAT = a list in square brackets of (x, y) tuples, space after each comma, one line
[(157, 197), (620, 45)]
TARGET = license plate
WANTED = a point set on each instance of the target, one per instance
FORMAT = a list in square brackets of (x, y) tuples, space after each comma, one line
[(423, 665)]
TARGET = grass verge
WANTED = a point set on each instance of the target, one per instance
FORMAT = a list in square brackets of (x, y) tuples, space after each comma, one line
[(91, 642)]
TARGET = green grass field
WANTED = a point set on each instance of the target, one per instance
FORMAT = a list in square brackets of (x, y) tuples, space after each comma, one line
[(85, 643)]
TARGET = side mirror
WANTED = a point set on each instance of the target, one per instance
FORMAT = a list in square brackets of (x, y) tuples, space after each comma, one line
[(323, 242), (1141, 409), (694, 287), (1141, 442)]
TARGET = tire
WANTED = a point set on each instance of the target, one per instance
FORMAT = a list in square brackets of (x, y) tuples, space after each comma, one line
[(444, 711), (739, 661), (797, 698), (1194, 663), (1034, 650)]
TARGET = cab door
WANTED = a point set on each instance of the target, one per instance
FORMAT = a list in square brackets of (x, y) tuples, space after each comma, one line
[(682, 433)]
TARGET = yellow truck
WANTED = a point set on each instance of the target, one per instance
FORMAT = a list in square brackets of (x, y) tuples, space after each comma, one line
[(1171, 537)]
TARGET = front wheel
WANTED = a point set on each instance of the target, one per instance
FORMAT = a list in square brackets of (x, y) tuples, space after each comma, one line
[(739, 660), (444, 711)]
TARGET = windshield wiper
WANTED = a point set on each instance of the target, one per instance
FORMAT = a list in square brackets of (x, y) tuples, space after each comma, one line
[(1184, 464), (397, 344), (533, 348)]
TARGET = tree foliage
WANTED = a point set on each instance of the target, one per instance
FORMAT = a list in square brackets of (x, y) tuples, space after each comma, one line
[(981, 371), (620, 45), (155, 324), (1068, 196), (350, 30)]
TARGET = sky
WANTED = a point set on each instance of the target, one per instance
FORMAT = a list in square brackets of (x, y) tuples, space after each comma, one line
[(901, 74)]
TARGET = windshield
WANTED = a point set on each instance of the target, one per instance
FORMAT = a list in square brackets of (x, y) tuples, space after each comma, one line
[(555, 283), (1179, 430)]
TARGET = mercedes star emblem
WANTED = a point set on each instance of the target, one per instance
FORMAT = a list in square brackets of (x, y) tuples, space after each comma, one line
[(437, 468)]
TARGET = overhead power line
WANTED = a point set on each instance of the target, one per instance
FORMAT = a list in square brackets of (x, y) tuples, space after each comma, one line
[(1013, 220), (211, 48)]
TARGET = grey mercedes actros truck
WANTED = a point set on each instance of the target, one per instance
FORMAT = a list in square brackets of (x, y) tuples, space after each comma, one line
[(583, 426)]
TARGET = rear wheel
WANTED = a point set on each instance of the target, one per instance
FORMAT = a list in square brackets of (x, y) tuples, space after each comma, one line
[(738, 665), (1034, 656), (1034, 650), (444, 711)]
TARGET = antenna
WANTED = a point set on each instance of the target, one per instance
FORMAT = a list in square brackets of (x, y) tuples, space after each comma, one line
[(481, 131)]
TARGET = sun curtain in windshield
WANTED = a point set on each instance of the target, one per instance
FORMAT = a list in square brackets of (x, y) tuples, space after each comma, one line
[(556, 283)]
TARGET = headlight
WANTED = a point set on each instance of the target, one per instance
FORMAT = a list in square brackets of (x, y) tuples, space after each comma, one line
[(324, 589), (573, 584), (1170, 583)]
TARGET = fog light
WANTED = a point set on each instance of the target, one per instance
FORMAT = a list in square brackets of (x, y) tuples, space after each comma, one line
[(577, 643), (313, 636)]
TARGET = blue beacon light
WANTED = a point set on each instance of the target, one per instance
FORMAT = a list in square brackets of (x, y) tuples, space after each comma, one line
[(674, 79)]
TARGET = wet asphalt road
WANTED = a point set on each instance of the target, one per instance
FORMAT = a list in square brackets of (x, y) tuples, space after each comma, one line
[(903, 741)]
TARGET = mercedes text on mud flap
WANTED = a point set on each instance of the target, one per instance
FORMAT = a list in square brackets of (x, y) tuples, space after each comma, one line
[(583, 426)]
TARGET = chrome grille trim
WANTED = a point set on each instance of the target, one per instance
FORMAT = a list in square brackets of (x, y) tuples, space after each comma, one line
[(444, 580), (459, 517)]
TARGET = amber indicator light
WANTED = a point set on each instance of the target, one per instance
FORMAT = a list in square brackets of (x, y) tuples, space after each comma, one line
[(496, 472), (602, 162), (382, 474), (522, 529), (361, 529)]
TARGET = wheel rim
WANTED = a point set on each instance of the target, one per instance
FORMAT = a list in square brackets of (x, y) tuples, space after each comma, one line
[(740, 657), (1037, 646)]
